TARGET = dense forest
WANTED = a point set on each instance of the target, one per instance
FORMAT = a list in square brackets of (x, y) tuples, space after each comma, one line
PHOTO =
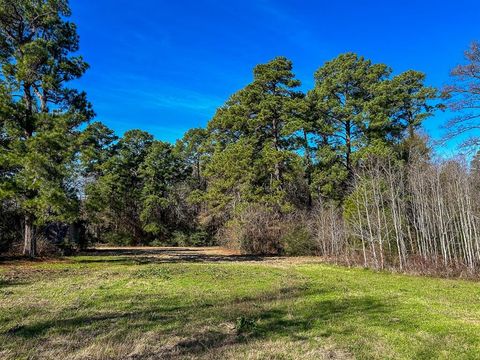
[(342, 171)]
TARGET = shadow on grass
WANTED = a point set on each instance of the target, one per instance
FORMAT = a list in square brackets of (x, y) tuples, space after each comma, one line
[(160, 256), (15, 259), (194, 328), (197, 328), (8, 282), (149, 313)]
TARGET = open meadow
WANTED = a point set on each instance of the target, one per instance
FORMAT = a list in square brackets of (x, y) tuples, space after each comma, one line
[(164, 303), (250, 179)]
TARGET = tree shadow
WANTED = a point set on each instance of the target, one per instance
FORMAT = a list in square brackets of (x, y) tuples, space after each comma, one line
[(291, 313), (130, 256), (148, 313), (6, 283), (274, 324), (266, 317), (15, 259)]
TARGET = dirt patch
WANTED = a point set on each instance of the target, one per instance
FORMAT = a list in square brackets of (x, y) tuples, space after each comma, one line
[(149, 254), (161, 251)]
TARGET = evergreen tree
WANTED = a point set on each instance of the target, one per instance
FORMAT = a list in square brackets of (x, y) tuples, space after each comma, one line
[(256, 127), (357, 108), (344, 87), (97, 145), (41, 129), (115, 199), (161, 172), (193, 147), (405, 101)]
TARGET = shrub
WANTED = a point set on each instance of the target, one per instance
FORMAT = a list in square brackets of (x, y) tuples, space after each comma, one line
[(200, 238), (256, 230), (297, 240), (185, 238), (118, 239)]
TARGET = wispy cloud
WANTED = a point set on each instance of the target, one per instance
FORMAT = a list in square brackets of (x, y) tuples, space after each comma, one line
[(140, 92), (293, 28), (275, 10)]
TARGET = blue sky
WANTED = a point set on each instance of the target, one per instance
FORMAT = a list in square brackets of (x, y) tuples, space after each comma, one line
[(165, 66)]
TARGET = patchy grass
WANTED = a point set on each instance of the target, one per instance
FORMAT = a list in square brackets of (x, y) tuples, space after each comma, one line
[(189, 305)]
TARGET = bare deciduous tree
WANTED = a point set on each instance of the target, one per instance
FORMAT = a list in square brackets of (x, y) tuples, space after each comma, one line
[(463, 97)]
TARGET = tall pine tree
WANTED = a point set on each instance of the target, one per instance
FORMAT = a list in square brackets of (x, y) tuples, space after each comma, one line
[(254, 129), (36, 47)]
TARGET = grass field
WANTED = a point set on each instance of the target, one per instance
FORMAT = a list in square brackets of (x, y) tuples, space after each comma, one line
[(163, 303)]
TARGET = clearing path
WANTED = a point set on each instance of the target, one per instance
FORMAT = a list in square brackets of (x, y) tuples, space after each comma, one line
[(150, 254), (213, 253), (210, 303)]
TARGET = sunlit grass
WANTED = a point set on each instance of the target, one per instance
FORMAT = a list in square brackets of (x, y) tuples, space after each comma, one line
[(120, 307)]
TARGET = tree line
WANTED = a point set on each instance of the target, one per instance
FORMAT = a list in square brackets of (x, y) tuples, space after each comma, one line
[(342, 170)]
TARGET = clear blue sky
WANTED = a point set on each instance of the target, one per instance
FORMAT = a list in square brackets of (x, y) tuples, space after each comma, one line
[(165, 66)]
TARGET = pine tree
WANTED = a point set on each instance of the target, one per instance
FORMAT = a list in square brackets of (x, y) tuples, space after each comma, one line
[(162, 170), (343, 88), (36, 43), (114, 200), (255, 125)]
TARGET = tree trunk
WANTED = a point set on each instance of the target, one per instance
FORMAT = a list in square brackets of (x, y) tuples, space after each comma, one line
[(308, 172), (276, 146), (76, 235), (30, 244), (348, 143)]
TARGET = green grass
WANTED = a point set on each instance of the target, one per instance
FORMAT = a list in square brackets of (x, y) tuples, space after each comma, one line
[(138, 308)]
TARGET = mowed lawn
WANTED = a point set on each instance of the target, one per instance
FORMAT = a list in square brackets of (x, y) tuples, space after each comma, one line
[(164, 303)]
